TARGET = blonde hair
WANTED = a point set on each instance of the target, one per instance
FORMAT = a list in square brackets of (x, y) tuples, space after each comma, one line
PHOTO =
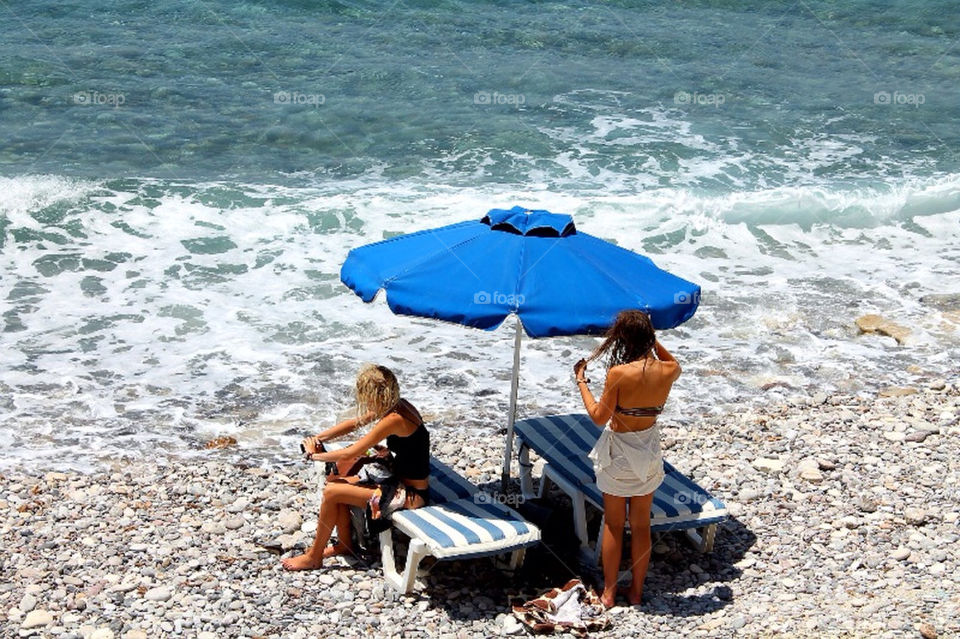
[(377, 390)]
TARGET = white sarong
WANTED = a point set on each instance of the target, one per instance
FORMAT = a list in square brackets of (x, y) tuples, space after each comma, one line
[(628, 464)]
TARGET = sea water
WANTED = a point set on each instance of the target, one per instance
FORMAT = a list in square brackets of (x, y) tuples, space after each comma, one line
[(181, 180)]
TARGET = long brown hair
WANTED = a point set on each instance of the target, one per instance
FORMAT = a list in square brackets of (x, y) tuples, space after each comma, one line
[(630, 338)]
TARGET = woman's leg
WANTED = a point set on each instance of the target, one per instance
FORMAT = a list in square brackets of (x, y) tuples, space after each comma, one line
[(344, 537), (639, 544), (614, 517), (336, 498)]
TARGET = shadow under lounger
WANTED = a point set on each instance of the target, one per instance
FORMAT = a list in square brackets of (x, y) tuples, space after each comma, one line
[(564, 441)]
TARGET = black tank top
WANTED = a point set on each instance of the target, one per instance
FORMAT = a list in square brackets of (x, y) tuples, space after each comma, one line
[(411, 454)]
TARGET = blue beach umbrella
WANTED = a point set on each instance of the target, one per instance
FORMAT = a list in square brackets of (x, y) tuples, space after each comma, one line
[(534, 265)]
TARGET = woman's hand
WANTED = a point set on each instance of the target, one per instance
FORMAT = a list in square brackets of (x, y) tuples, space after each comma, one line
[(312, 445), (579, 368)]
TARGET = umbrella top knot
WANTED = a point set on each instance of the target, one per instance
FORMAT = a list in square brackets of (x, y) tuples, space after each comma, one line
[(530, 222)]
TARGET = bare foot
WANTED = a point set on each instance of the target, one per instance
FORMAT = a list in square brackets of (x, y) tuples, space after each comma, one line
[(302, 562), (336, 549), (608, 599), (632, 597)]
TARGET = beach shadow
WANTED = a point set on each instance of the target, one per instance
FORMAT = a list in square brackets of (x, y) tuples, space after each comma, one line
[(677, 566), (479, 590)]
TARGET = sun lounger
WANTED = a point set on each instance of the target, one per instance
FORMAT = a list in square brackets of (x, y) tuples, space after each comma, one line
[(564, 441), (461, 522)]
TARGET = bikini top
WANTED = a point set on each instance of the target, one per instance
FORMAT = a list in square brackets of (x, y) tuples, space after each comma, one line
[(640, 411)]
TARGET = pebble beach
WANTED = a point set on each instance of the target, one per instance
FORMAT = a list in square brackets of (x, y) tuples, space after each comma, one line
[(183, 181), (844, 524)]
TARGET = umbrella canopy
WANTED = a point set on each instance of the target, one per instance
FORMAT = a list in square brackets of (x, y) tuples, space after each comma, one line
[(533, 264), (530, 263)]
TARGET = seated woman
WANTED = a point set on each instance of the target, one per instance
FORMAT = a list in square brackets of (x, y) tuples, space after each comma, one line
[(397, 421), (627, 459)]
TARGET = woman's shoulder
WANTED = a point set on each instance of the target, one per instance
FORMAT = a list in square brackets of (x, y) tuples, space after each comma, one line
[(408, 412)]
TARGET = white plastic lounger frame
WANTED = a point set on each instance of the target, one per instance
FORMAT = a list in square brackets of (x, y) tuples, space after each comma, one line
[(564, 442), (461, 522), (463, 529)]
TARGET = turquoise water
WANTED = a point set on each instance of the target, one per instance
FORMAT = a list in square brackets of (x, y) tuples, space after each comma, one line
[(786, 93), (180, 182)]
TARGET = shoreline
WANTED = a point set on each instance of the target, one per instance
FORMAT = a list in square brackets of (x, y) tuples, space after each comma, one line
[(844, 523)]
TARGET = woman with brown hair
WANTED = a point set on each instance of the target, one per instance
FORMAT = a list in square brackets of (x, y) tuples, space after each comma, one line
[(397, 421), (626, 458)]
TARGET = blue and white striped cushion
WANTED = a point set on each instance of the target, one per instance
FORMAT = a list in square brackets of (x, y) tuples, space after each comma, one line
[(468, 527), (446, 484), (564, 441)]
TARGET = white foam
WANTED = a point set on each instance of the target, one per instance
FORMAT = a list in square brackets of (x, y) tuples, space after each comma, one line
[(274, 348)]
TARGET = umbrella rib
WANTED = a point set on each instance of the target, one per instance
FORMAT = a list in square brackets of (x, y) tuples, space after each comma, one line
[(586, 256), (449, 248), (545, 253), (453, 253)]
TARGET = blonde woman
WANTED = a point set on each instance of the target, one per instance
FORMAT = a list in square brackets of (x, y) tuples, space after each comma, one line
[(397, 422), (627, 459)]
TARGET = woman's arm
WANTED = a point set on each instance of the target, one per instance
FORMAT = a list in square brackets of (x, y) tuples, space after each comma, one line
[(665, 356), (389, 425), (344, 427), (312, 444), (662, 353), (599, 411)]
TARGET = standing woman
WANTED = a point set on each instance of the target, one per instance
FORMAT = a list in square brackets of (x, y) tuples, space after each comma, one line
[(627, 459), (397, 421)]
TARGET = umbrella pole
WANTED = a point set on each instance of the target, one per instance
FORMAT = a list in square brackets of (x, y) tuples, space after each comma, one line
[(514, 383)]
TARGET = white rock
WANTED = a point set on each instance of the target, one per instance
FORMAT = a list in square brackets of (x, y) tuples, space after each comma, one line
[(213, 528), (900, 554), (894, 436), (233, 523), (126, 586), (511, 625), (102, 633), (238, 506), (206, 635), (160, 593), (37, 618), (290, 521), (915, 516), (767, 465), (288, 541), (28, 603), (135, 634)]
